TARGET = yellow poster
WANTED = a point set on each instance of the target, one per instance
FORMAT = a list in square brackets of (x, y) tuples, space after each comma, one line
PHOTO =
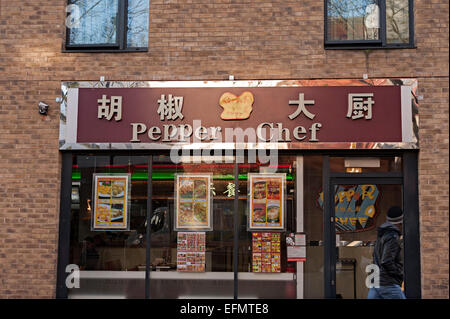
[(267, 209), (111, 202), (193, 202)]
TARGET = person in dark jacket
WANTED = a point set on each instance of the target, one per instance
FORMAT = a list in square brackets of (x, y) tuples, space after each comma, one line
[(387, 256)]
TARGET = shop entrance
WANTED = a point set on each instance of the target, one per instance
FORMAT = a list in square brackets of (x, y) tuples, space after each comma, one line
[(356, 206), (360, 207)]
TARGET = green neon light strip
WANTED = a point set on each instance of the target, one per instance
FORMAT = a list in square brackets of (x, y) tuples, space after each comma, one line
[(163, 176)]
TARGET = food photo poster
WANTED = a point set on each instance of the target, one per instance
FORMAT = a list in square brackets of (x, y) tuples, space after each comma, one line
[(111, 206), (266, 248), (266, 201), (193, 202), (191, 248)]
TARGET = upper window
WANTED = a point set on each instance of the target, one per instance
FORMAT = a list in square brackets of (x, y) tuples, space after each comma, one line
[(107, 25), (368, 23)]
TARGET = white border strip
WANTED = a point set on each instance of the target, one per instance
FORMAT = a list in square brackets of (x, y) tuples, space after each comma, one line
[(186, 275), (300, 271), (72, 115), (300, 194), (407, 119), (300, 215)]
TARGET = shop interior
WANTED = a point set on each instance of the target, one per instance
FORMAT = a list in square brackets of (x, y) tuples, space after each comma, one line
[(113, 262)]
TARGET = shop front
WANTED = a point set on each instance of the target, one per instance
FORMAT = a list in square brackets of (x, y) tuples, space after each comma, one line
[(256, 189)]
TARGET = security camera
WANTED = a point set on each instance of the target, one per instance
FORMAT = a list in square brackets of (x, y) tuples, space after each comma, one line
[(43, 108)]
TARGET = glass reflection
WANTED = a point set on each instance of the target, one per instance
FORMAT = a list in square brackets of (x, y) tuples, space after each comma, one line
[(356, 233), (95, 22), (353, 20), (137, 32), (111, 261), (217, 278)]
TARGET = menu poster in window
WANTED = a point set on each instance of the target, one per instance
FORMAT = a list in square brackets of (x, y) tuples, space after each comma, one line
[(266, 253), (193, 202), (266, 202), (191, 248), (111, 207)]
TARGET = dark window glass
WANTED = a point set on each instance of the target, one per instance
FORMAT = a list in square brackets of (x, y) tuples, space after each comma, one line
[(313, 227), (216, 279), (111, 262)]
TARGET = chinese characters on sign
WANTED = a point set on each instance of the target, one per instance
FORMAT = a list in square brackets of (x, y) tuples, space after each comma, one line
[(301, 107), (231, 190), (358, 103), (170, 108), (108, 107)]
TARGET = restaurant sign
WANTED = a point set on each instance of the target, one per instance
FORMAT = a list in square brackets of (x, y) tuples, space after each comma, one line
[(158, 115)]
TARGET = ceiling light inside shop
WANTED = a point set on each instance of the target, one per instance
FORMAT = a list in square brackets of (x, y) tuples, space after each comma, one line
[(353, 170), (362, 162), (355, 244)]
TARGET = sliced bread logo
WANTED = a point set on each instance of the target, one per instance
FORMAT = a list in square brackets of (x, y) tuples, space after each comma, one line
[(236, 107)]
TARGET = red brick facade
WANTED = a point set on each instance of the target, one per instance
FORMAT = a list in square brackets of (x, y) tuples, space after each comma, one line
[(194, 40)]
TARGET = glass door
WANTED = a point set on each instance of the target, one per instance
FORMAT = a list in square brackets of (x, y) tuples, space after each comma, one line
[(359, 215), (358, 192)]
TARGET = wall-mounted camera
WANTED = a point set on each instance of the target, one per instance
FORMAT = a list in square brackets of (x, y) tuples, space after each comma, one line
[(43, 108)]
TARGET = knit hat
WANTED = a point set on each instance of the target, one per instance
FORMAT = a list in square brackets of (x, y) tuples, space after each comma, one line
[(395, 215)]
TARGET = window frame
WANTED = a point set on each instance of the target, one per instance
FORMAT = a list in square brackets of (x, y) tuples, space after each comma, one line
[(121, 32), (371, 44)]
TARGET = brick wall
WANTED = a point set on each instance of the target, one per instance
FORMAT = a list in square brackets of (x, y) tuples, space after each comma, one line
[(29, 190), (433, 186), (194, 40)]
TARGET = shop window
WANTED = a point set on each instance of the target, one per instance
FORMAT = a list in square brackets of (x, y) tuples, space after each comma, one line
[(107, 25), (108, 225), (191, 253), (267, 215), (367, 24), (313, 227)]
